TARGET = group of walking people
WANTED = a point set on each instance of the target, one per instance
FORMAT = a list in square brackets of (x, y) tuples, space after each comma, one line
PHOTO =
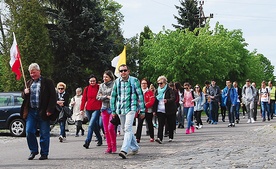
[(125, 98)]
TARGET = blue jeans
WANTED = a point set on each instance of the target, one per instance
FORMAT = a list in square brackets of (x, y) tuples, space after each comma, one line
[(265, 108), (34, 120), (62, 128), (189, 111), (231, 112), (206, 109), (129, 138), (237, 112), (93, 116)]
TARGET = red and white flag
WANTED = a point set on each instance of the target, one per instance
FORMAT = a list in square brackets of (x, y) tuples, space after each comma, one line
[(15, 59)]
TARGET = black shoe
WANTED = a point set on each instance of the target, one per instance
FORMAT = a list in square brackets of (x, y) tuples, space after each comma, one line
[(158, 140), (223, 120), (268, 119), (43, 157), (179, 125), (182, 126), (123, 154), (86, 145), (82, 132), (32, 156), (99, 143)]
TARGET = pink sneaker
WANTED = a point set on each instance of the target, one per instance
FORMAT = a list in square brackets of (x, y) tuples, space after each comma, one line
[(187, 131), (151, 140), (192, 129), (114, 149), (108, 151)]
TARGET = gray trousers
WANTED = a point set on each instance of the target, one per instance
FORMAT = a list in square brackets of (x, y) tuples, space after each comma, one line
[(249, 109)]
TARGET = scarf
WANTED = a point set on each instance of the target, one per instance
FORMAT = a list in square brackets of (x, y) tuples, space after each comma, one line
[(161, 92), (145, 90)]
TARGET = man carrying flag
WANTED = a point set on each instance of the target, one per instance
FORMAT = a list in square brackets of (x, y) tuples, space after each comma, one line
[(15, 59)]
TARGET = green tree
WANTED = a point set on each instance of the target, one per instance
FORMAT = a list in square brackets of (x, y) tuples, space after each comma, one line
[(113, 19), (80, 41), (28, 21), (259, 68), (198, 56), (188, 15)]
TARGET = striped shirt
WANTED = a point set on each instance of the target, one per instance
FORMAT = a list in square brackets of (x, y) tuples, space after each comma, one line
[(35, 93), (127, 96)]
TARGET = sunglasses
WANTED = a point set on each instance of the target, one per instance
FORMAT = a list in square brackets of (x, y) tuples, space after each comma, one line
[(60, 88), (124, 70), (159, 83)]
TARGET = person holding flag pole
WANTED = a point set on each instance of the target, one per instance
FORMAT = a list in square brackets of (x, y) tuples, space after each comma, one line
[(39, 104)]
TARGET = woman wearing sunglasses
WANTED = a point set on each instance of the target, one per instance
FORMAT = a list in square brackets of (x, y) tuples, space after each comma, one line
[(62, 100), (165, 108)]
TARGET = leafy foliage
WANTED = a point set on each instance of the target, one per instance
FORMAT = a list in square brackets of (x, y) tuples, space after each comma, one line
[(28, 21), (221, 55)]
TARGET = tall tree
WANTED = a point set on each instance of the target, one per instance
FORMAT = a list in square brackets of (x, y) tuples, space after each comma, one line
[(81, 43), (28, 21), (188, 15), (113, 19)]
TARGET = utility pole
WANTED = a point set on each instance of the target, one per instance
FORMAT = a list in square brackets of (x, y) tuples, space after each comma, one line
[(202, 17)]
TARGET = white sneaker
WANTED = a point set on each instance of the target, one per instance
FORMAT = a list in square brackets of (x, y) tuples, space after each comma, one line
[(200, 126), (252, 120), (197, 127), (248, 121), (170, 140)]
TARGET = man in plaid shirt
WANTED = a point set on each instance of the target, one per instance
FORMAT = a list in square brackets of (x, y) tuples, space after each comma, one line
[(126, 99)]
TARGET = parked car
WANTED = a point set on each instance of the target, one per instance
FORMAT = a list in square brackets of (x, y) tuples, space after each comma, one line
[(10, 104)]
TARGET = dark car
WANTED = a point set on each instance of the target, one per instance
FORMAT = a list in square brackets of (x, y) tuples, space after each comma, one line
[(10, 104)]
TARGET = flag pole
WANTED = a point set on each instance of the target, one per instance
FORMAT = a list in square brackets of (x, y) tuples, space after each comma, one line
[(23, 73)]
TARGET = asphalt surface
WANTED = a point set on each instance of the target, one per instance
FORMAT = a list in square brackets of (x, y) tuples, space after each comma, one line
[(214, 146)]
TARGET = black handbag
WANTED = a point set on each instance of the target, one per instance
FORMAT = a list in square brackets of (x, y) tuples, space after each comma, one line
[(65, 113), (115, 120)]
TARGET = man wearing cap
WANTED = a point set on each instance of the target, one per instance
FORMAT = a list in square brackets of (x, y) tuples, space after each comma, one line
[(214, 93)]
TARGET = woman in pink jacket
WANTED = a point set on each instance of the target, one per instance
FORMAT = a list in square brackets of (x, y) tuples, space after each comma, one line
[(189, 107)]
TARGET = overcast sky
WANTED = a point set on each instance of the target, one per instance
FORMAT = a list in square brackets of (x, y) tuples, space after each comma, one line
[(255, 18)]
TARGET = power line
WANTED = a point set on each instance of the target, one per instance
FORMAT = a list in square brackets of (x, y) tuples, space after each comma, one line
[(162, 4), (239, 2)]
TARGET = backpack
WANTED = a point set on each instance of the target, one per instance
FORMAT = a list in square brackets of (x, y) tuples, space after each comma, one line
[(245, 88), (266, 91)]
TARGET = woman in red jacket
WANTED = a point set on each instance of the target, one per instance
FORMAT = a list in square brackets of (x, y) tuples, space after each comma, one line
[(149, 100), (92, 106)]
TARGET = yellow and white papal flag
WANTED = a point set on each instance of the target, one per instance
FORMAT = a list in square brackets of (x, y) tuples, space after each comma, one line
[(119, 60)]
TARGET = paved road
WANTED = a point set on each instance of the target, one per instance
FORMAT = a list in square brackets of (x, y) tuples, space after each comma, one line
[(214, 146)]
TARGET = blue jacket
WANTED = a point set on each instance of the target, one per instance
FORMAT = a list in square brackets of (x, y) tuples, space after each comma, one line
[(233, 95)]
